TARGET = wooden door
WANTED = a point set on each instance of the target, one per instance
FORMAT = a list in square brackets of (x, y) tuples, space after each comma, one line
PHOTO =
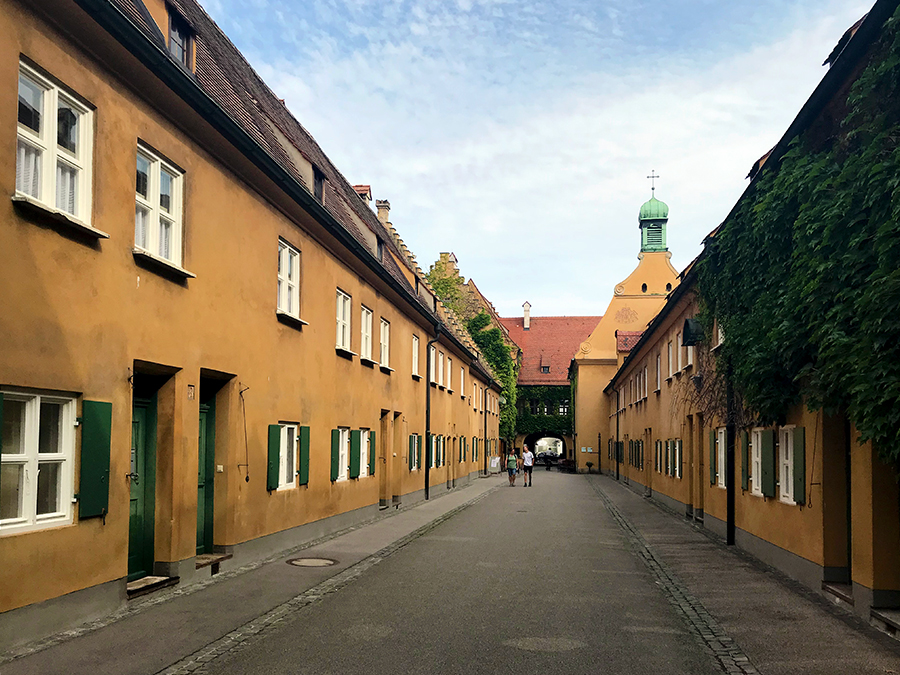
[(206, 467)]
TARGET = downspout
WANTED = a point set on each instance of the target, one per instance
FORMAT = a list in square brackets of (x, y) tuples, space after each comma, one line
[(618, 409), (730, 487), (484, 412), (429, 371)]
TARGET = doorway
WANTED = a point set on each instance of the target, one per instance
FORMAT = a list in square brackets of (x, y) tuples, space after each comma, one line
[(206, 468), (142, 483)]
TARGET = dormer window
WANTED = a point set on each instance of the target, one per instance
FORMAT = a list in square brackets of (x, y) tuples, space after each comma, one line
[(318, 185), (180, 40), (545, 369), (380, 250)]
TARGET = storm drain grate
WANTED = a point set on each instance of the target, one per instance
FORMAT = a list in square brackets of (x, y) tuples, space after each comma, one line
[(312, 562)]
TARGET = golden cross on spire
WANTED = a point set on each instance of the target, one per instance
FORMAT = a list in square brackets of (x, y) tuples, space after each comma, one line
[(653, 176)]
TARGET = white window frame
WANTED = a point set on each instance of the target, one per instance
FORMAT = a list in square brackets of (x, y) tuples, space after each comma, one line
[(721, 443), (365, 329), (689, 356), (475, 396), (343, 453), (646, 381), (51, 154), (288, 279), (385, 344), (680, 348), (449, 373), (720, 335), (440, 369), (677, 449), (786, 464), (364, 452), (151, 241), (433, 451), (756, 462), (658, 372), (287, 456), (344, 305), (432, 364), (31, 458), (671, 363), (462, 380), (417, 441), (415, 355)]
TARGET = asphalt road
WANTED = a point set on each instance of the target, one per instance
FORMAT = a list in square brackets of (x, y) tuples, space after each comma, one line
[(529, 580)]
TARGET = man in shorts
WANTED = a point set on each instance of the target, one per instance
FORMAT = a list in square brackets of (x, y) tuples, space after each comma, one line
[(528, 465)]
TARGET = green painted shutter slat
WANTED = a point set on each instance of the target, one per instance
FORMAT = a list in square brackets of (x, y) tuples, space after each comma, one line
[(712, 456), (767, 460), (745, 461), (419, 451), (428, 449), (355, 450), (799, 465), (96, 431), (335, 453), (412, 451), (274, 457), (371, 453), (303, 469)]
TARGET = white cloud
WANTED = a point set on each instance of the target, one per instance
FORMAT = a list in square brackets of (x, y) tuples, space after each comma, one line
[(533, 172)]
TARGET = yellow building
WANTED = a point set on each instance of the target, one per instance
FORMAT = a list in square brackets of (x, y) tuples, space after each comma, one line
[(181, 261), (635, 302)]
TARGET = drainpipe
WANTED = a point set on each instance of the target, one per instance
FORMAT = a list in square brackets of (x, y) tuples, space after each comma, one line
[(730, 487), (483, 412), (616, 449), (429, 370)]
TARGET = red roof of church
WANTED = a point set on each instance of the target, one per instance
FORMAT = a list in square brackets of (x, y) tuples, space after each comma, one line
[(550, 341), (627, 339)]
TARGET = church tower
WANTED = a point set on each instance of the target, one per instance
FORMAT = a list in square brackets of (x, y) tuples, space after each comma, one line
[(652, 219)]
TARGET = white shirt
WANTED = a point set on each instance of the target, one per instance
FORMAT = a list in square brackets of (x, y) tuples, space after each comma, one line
[(528, 458)]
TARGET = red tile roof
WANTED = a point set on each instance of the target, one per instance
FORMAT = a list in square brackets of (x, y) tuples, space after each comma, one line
[(627, 339), (550, 341)]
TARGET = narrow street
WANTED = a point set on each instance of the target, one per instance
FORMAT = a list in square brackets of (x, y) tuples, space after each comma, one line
[(575, 575)]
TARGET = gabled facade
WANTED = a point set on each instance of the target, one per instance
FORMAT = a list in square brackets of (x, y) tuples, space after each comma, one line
[(213, 349)]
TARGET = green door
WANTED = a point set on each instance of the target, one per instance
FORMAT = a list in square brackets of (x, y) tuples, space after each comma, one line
[(205, 472), (142, 482)]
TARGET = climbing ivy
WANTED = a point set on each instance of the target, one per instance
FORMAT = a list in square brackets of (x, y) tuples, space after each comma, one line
[(552, 423), (495, 350), (804, 276)]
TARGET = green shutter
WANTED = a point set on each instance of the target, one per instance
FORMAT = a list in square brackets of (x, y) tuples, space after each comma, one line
[(412, 451), (274, 463), (712, 456), (799, 465), (335, 453), (419, 451), (371, 453), (745, 461), (428, 449), (355, 450), (668, 449), (96, 431), (303, 469), (767, 461)]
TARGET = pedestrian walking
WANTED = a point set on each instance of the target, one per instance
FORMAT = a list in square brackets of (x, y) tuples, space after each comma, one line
[(512, 466), (528, 465)]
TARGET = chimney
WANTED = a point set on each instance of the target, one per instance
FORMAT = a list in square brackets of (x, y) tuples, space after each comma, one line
[(384, 209), (527, 319)]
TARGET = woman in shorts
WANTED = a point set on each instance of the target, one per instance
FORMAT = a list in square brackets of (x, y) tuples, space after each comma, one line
[(512, 465)]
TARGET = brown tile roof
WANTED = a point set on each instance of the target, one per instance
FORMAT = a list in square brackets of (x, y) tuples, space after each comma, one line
[(550, 341), (627, 339), (227, 78)]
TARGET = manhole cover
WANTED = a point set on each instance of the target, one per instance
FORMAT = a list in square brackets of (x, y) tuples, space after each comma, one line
[(311, 562)]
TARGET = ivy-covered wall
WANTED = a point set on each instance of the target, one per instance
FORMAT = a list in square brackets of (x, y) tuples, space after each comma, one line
[(496, 351), (547, 418), (804, 276)]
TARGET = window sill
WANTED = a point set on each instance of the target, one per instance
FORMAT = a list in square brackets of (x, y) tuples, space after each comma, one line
[(416, 377), (386, 369), (162, 264), (38, 208), (441, 387), (449, 391), (669, 379), (346, 353), (366, 361), (290, 320), (688, 366)]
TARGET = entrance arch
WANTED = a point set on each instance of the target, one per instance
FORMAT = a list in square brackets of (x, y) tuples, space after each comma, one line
[(531, 440)]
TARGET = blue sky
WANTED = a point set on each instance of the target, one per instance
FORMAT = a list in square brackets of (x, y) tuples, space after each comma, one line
[(518, 134)]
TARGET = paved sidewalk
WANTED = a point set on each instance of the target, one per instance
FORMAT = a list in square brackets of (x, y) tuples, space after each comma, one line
[(168, 627), (742, 608)]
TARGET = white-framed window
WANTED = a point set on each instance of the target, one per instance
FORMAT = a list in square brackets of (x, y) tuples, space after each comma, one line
[(677, 450), (343, 453), (342, 340), (646, 381), (36, 472), (432, 363), (658, 371), (756, 462), (364, 450), (365, 347), (786, 464), (462, 380), (53, 146), (720, 334), (474, 396), (158, 206), (288, 279), (721, 442), (671, 359), (449, 373), (433, 451), (415, 354), (441, 368), (385, 344), (287, 472), (414, 449), (680, 348)]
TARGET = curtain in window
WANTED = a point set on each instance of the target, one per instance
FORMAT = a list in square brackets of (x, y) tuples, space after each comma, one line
[(66, 187), (28, 169)]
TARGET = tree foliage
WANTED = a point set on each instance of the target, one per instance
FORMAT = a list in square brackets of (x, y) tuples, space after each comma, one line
[(490, 342), (804, 276), (551, 423)]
